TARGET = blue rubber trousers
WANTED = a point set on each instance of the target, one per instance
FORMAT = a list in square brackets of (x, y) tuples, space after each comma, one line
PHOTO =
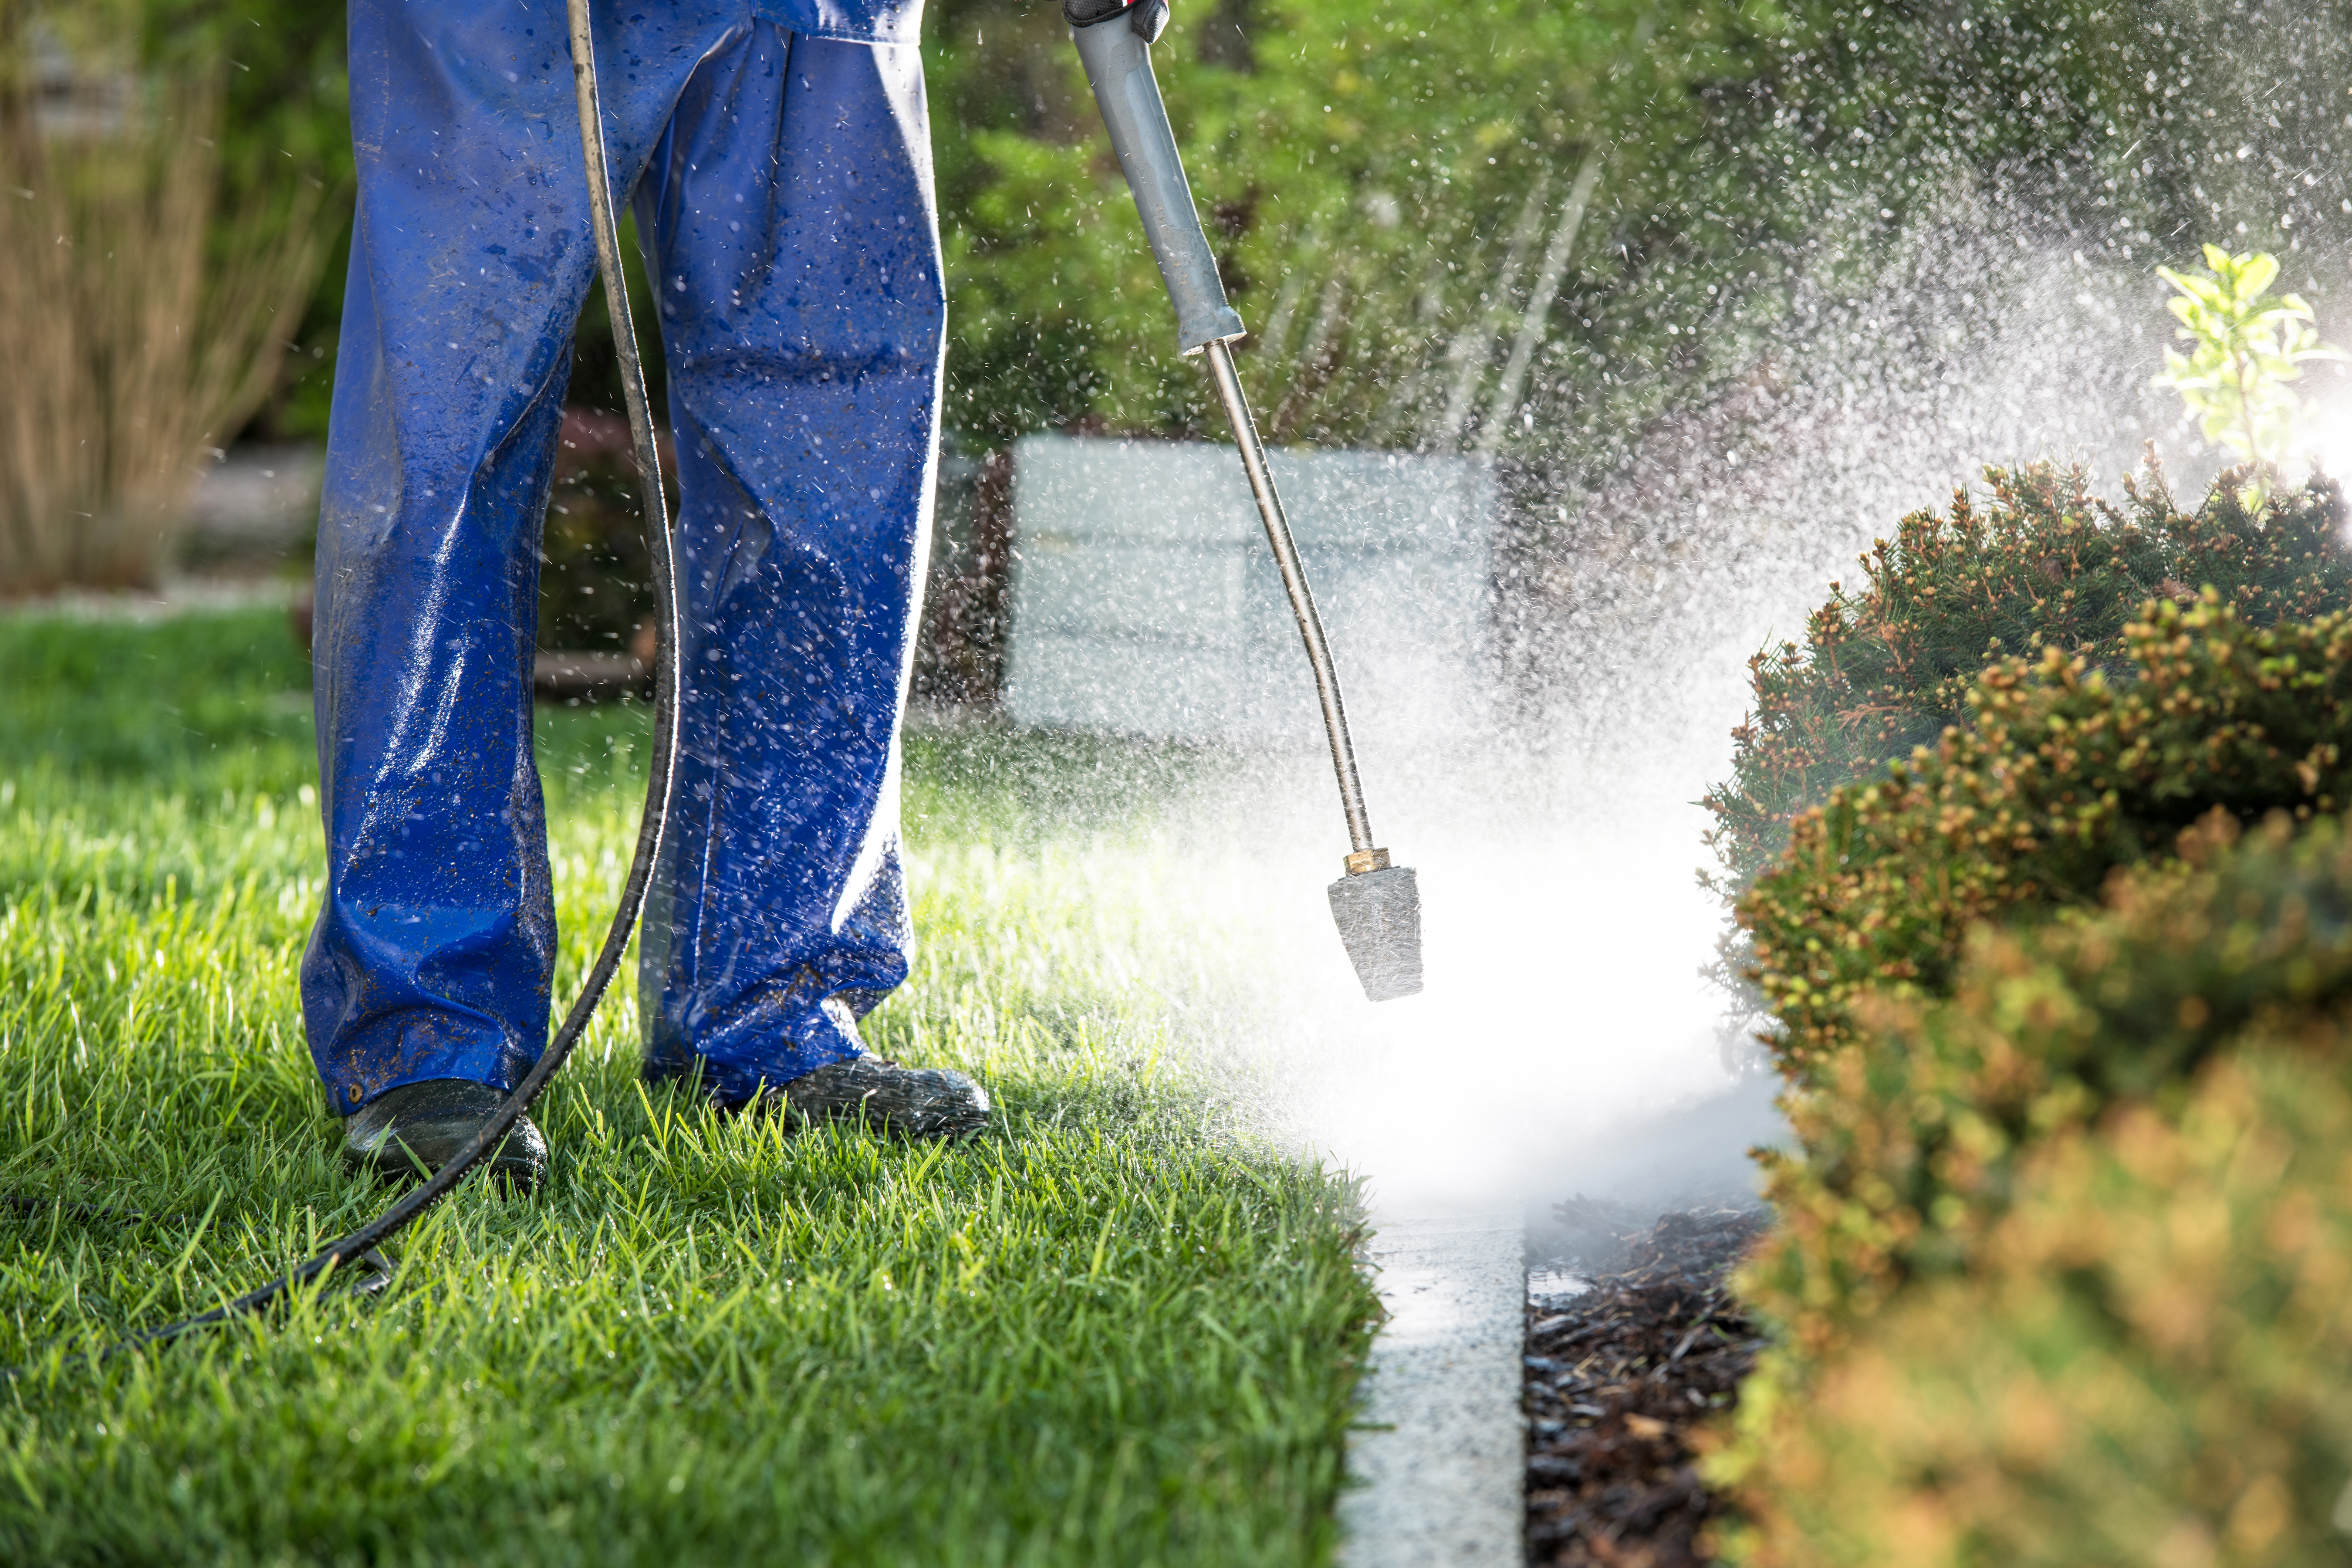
[(781, 158)]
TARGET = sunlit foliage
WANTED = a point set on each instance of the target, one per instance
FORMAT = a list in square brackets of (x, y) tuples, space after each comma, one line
[(2037, 562), (2246, 353), (1387, 180), (2061, 775)]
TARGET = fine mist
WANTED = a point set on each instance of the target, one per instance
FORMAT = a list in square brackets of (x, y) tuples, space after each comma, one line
[(1567, 1040)]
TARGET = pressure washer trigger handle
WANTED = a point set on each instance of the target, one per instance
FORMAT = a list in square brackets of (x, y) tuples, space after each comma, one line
[(1118, 67)]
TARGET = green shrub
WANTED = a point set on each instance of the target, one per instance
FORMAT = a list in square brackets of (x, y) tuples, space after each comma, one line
[(2040, 563), (2064, 776), (1910, 1139), (2036, 1006), (2066, 1272), (1960, 1015)]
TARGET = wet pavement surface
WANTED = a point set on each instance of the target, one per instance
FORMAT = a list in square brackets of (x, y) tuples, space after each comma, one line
[(1436, 1454)]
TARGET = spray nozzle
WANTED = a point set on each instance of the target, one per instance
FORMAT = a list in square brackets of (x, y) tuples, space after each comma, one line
[(1378, 908)]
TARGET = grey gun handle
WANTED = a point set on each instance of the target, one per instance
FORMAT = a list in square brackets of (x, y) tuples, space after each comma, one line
[(1118, 67)]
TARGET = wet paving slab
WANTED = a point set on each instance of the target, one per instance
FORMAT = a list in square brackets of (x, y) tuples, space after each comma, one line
[(1438, 1454)]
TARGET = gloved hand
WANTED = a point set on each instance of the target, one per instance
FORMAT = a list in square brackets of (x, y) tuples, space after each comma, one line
[(1147, 17)]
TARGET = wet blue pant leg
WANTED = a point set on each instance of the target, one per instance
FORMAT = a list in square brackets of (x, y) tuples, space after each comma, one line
[(471, 255), (793, 238)]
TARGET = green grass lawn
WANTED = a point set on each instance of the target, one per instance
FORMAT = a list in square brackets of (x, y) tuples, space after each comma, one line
[(1115, 1329)]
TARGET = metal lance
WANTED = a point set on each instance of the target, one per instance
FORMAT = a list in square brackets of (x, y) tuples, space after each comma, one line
[(1376, 904)]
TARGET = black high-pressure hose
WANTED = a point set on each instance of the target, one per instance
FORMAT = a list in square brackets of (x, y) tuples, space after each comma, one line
[(376, 1232)]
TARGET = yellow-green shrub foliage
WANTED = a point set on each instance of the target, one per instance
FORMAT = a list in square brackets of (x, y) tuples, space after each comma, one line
[(2152, 1365), (1910, 1139), (2040, 562), (2104, 1200), (2063, 777)]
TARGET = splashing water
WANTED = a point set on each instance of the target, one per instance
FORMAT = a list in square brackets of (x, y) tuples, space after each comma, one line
[(1567, 1039)]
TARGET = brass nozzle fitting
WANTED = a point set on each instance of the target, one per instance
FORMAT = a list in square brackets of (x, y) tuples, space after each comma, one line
[(1364, 860)]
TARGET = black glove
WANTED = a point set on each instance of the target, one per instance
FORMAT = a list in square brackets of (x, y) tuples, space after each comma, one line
[(1147, 17)]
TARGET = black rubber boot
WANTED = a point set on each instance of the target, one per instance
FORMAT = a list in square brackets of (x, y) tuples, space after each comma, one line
[(927, 1102), (412, 1130)]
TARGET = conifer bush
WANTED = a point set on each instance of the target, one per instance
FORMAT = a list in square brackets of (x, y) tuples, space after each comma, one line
[(1910, 1139), (2040, 563), (2055, 1268), (2066, 776), (2066, 1275)]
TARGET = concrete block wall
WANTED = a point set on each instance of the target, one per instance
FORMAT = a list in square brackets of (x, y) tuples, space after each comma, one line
[(1145, 601)]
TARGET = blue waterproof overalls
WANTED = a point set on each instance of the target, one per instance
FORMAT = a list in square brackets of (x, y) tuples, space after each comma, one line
[(786, 204)]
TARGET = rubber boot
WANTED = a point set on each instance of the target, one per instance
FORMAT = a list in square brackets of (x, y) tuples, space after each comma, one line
[(409, 1133), (925, 1102)]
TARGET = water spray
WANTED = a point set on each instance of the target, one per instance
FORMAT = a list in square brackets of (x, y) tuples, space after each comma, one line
[(1376, 904)]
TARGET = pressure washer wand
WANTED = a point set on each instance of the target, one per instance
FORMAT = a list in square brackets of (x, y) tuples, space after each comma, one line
[(1376, 904)]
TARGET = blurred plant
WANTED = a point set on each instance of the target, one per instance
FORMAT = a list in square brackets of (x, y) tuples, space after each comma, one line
[(1528, 227), (1419, 210), (596, 585), (2247, 353), (132, 349), (2060, 1272), (285, 110)]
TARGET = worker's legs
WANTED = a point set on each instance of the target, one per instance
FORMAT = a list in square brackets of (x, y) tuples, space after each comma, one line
[(470, 257), (789, 213), (789, 219)]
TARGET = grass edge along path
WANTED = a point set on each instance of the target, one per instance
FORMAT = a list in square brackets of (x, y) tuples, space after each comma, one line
[(1111, 1329)]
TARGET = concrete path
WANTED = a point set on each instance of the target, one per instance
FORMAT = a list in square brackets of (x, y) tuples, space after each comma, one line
[(1442, 1459)]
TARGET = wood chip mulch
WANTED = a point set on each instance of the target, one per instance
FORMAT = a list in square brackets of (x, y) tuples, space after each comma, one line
[(1615, 1382)]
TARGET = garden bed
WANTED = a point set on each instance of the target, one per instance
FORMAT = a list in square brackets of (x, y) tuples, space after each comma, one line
[(1618, 1377)]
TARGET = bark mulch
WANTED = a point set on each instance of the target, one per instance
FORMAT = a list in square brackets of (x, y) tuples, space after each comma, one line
[(1617, 1378)]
